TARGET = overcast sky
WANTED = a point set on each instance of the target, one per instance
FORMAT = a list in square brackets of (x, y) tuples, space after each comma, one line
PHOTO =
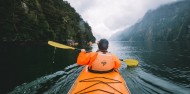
[(109, 16)]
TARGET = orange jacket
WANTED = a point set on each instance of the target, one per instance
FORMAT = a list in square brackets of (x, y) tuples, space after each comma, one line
[(88, 58)]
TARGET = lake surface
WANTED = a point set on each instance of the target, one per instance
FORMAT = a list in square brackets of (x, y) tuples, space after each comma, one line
[(164, 67)]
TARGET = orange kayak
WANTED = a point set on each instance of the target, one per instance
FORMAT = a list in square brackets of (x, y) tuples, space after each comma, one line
[(94, 83)]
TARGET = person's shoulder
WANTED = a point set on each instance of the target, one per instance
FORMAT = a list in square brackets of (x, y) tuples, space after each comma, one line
[(92, 53), (113, 54)]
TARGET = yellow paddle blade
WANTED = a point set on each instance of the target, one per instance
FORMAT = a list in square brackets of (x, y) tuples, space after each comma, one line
[(58, 45), (131, 62)]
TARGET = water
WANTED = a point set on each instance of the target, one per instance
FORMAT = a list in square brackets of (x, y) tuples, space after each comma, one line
[(23, 62), (164, 68)]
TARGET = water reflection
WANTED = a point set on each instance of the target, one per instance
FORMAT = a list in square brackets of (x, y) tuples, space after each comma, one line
[(163, 69), (164, 62), (24, 62)]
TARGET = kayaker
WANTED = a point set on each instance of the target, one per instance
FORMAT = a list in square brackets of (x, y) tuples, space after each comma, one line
[(100, 61)]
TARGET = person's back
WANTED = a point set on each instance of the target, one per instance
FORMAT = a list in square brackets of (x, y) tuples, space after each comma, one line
[(100, 61), (103, 62)]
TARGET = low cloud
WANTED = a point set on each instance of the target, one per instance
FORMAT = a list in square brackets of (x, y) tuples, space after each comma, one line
[(109, 16)]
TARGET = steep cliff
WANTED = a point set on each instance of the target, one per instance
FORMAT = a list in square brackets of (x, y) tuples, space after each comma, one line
[(167, 23), (42, 20)]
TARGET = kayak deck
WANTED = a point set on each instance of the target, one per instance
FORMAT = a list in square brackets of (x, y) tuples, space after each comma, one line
[(93, 83)]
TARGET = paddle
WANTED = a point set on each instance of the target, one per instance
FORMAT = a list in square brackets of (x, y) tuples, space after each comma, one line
[(58, 45), (129, 62)]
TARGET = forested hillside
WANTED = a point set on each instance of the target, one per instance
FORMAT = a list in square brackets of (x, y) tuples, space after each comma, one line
[(167, 23), (42, 20)]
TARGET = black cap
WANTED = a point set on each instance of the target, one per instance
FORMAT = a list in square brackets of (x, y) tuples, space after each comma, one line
[(103, 44)]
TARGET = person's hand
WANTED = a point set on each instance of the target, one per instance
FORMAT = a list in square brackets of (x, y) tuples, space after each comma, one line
[(83, 50), (97, 42)]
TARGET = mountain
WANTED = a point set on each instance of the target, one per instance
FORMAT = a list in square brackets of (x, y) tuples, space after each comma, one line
[(42, 20), (169, 22), (98, 37)]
